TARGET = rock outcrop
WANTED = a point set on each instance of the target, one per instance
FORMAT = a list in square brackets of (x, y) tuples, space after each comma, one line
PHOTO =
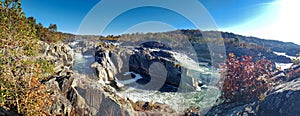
[(283, 99), (86, 97), (106, 69), (78, 94), (83, 96), (60, 54), (74, 93), (83, 46), (155, 66)]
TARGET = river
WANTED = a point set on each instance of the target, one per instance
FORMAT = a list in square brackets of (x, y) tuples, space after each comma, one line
[(202, 100)]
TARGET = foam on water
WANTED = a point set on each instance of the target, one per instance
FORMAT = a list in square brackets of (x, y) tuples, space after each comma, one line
[(78, 56), (82, 64), (284, 65), (202, 99), (189, 63), (74, 43), (129, 81), (88, 56), (177, 101), (284, 54)]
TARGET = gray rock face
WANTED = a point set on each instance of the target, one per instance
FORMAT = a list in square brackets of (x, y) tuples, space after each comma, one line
[(283, 100), (85, 96), (84, 47), (60, 54), (113, 61), (96, 98), (61, 105), (105, 67), (77, 94)]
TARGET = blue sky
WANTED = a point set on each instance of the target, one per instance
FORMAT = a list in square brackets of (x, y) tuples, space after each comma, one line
[(270, 19)]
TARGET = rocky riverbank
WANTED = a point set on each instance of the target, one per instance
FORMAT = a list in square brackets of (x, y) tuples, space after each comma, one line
[(121, 68), (75, 93), (159, 68)]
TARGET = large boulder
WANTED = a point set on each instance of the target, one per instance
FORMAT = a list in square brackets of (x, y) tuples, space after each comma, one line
[(85, 97), (283, 100), (105, 68)]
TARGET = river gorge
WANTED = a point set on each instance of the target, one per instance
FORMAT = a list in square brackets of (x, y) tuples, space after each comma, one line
[(95, 77), (188, 88)]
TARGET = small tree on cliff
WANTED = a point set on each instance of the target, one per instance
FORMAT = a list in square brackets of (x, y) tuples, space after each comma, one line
[(243, 79), (52, 28)]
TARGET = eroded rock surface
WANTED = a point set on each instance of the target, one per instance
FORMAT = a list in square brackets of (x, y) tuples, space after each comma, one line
[(60, 54), (78, 94), (283, 100), (113, 61)]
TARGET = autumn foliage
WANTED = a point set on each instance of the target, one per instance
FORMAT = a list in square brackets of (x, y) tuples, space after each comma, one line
[(20, 70), (244, 79)]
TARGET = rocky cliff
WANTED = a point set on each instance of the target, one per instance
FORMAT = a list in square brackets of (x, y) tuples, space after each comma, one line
[(78, 94), (159, 68), (60, 54)]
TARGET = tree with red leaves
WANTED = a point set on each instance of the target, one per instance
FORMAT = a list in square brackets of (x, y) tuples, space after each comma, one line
[(244, 80)]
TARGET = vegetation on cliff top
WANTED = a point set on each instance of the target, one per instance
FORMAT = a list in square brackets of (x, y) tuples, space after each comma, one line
[(21, 71)]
